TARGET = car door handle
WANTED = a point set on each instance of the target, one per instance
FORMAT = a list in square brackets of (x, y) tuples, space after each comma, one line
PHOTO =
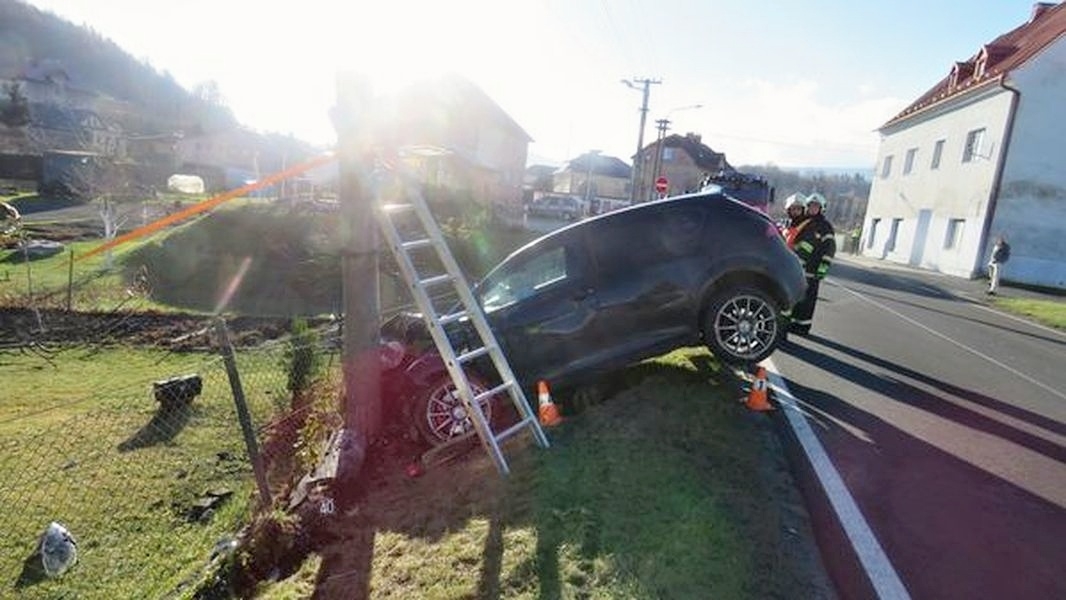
[(583, 294)]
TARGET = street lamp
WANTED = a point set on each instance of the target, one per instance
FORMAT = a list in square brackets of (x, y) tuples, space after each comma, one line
[(664, 124)]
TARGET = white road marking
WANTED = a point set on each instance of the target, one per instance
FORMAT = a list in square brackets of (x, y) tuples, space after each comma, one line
[(879, 569), (973, 351)]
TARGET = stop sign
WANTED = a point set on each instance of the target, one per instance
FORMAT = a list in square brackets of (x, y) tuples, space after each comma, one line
[(661, 184)]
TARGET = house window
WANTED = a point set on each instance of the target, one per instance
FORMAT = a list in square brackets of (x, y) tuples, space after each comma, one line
[(668, 154), (938, 149), (908, 162), (886, 168), (873, 232), (892, 234), (954, 233), (973, 145)]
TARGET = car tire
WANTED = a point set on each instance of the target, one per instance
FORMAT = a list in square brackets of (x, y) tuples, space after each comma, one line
[(439, 414), (742, 325)]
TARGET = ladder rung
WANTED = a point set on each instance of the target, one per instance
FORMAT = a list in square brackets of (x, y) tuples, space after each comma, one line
[(436, 280), (496, 390), (396, 207), (469, 356), (416, 244), (513, 429), (446, 319)]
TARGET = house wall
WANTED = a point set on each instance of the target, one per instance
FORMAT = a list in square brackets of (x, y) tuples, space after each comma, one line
[(505, 152), (573, 183), (680, 170), (1031, 208), (926, 202)]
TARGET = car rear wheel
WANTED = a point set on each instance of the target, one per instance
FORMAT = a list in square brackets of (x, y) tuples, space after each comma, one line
[(742, 325), (439, 413)]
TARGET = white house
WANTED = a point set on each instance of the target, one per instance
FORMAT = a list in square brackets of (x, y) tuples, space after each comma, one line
[(981, 154)]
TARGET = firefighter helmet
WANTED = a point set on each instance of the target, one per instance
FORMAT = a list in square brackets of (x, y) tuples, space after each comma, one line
[(816, 197), (796, 199)]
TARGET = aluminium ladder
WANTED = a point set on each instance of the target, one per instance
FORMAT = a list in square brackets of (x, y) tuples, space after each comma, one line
[(389, 217)]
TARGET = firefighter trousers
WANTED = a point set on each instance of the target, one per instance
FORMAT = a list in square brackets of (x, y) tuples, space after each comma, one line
[(803, 312)]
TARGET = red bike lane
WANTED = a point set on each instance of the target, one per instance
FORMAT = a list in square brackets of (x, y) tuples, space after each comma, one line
[(943, 426)]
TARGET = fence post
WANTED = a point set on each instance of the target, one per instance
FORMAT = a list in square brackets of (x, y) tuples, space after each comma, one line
[(242, 410), (70, 279)]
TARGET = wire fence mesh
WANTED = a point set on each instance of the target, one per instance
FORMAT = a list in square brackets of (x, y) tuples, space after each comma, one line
[(147, 467)]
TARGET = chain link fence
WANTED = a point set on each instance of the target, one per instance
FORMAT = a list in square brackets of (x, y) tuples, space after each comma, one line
[(153, 478)]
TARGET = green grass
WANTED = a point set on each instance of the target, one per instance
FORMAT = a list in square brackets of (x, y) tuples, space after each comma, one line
[(1048, 312), (94, 286), (84, 443), (659, 492)]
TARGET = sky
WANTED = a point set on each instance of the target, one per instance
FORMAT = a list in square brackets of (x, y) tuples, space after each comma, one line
[(792, 83)]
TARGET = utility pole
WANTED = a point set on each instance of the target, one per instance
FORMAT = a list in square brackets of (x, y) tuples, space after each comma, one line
[(638, 175), (663, 124), (588, 182), (354, 121)]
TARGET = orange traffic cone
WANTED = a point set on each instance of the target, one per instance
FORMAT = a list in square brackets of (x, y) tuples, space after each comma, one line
[(757, 396), (549, 413)]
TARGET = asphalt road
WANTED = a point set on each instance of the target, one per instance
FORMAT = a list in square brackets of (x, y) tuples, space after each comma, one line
[(946, 422)]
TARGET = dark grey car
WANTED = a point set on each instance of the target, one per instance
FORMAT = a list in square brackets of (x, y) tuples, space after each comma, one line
[(625, 286), (556, 207)]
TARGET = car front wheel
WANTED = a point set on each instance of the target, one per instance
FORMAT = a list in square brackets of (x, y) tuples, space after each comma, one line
[(742, 325), (439, 412)]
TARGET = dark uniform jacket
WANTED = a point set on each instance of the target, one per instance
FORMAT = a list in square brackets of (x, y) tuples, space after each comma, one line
[(816, 245)]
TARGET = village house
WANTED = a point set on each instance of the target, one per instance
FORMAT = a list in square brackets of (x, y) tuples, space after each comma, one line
[(456, 138), (682, 159), (592, 176), (977, 156)]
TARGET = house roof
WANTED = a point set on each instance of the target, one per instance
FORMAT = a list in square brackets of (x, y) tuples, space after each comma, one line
[(48, 70), (702, 154), (994, 60), (52, 116), (449, 100), (607, 166), (540, 170)]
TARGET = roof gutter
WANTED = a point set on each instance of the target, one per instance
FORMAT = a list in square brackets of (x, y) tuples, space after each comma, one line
[(997, 180)]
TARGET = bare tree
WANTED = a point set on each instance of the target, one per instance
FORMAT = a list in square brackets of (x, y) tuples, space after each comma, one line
[(15, 111), (105, 181)]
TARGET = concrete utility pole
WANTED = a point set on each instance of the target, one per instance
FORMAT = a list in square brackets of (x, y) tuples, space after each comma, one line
[(663, 125), (588, 181), (354, 120), (638, 176)]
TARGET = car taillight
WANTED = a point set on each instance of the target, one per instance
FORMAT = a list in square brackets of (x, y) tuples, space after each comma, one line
[(391, 354)]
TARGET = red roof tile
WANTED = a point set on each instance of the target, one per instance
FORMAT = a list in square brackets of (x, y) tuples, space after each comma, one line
[(995, 59)]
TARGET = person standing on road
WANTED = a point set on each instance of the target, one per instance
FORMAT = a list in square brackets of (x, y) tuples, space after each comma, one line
[(1000, 255), (815, 244), (796, 209)]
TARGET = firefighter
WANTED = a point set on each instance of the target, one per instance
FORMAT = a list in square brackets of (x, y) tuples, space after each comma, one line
[(796, 209), (815, 245)]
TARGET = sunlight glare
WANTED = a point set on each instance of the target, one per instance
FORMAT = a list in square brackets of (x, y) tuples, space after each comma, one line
[(396, 44)]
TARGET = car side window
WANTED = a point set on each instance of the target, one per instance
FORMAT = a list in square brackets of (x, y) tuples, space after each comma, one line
[(621, 247), (526, 278)]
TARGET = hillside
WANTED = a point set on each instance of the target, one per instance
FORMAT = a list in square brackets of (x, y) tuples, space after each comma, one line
[(140, 97)]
